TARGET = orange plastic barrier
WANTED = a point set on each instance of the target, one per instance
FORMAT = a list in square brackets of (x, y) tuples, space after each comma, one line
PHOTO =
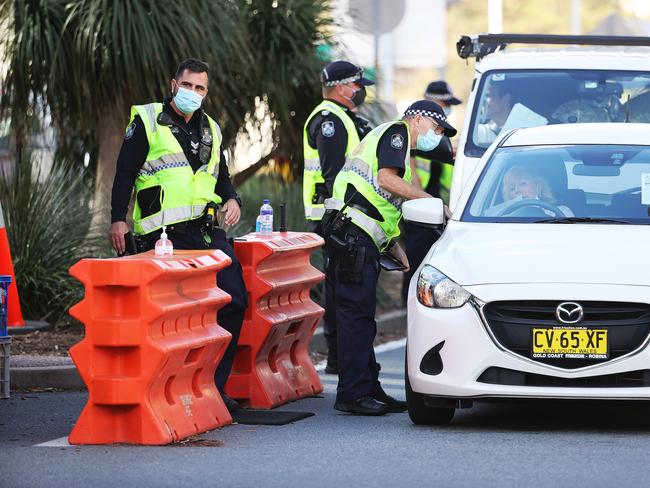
[(272, 365), (15, 316), (151, 348)]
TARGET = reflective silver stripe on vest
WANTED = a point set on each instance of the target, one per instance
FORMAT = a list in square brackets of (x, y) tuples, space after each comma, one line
[(166, 161), (215, 173), (360, 167), (312, 164), (315, 212), (360, 219), (171, 216), (151, 112)]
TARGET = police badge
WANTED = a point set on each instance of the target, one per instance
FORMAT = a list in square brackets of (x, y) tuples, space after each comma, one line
[(397, 141), (327, 128), (129, 131)]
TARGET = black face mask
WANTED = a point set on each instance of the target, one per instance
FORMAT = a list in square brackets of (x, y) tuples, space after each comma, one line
[(359, 96)]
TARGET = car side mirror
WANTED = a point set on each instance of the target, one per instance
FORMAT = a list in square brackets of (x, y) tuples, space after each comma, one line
[(424, 211)]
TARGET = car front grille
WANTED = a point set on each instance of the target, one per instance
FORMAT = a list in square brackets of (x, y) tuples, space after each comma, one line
[(511, 323)]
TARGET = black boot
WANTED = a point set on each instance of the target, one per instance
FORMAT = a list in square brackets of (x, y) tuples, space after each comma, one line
[(362, 406), (394, 405)]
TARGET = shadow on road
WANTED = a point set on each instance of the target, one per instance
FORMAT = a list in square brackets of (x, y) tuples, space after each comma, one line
[(554, 415)]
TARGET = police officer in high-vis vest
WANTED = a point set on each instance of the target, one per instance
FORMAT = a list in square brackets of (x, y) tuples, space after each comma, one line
[(331, 132), (361, 222), (172, 154), (432, 172)]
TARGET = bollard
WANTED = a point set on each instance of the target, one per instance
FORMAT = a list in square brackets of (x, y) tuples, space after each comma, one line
[(272, 365), (151, 347)]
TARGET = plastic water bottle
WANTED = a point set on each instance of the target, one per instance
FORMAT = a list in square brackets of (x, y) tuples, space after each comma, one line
[(258, 224), (164, 246), (266, 216)]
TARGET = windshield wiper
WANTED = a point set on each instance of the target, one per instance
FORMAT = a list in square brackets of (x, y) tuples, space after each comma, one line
[(580, 220)]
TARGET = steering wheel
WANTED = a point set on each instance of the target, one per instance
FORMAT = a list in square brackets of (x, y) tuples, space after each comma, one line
[(530, 202)]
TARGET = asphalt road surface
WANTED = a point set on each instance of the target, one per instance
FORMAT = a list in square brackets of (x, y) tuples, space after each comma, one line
[(549, 444)]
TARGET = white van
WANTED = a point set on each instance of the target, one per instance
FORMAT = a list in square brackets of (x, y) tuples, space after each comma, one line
[(592, 79)]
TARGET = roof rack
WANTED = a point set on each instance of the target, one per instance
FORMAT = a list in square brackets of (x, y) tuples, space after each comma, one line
[(481, 45)]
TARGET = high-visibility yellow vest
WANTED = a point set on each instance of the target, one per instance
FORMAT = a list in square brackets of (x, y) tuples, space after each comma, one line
[(361, 171), (445, 181), (423, 170), (313, 173), (183, 193)]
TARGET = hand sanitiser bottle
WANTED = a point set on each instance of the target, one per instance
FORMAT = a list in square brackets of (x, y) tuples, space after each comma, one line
[(164, 246)]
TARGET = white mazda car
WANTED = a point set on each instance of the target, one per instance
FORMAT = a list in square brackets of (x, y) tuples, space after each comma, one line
[(540, 284)]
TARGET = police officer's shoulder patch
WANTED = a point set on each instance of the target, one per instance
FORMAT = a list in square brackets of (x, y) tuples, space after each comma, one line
[(397, 141), (327, 128), (129, 131)]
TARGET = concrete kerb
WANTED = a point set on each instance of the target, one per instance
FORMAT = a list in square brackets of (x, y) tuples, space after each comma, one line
[(35, 373)]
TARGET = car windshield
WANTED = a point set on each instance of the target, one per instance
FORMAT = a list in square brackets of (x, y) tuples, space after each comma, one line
[(563, 184), (528, 98)]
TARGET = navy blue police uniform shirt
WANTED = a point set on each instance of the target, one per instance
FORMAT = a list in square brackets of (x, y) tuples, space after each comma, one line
[(134, 153), (326, 132), (392, 150)]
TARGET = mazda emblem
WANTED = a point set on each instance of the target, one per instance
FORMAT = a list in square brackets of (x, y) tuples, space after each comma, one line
[(569, 312)]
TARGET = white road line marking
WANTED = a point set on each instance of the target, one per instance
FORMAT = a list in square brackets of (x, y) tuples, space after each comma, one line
[(384, 381), (397, 393), (386, 347), (390, 346), (60, 442)]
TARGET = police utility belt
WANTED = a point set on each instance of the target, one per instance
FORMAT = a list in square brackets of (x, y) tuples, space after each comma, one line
[(342, 238), (205, 224)]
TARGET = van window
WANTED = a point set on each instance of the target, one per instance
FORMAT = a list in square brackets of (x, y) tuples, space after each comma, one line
[(529, 98)]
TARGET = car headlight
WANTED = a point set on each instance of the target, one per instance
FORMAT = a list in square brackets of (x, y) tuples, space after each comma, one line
[(436, 290)]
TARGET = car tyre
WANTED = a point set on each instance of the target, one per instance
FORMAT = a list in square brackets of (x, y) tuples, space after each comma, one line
[(419, 412)]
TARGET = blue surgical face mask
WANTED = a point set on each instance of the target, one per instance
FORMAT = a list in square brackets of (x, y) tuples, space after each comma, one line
[(446, 110), (187, 101), (429, 141)]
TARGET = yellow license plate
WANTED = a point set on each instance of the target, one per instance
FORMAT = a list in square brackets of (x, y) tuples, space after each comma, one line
[(570, 343)]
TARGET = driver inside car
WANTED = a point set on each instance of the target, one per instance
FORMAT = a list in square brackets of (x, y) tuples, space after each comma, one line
[(522, 184)]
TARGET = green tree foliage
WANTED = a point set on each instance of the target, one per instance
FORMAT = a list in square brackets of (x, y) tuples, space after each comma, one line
[(287, 65), (88, 60)]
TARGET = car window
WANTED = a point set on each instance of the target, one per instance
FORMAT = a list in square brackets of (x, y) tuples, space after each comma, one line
[(529, 98), (535, 183)]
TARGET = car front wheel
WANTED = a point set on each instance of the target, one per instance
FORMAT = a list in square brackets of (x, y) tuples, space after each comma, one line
[(419, 412)]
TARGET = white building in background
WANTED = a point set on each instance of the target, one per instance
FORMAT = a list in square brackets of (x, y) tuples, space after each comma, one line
[(401, 38)]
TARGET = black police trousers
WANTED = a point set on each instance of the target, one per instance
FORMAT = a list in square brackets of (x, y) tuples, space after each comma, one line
[(352, 309), (229, 279), (417, 241)]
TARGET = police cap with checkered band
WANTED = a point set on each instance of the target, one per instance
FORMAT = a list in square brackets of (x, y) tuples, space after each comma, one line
[(430, 109), (341, 72)]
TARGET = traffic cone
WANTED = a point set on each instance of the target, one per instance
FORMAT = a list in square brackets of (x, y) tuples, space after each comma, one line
[(15, 316)]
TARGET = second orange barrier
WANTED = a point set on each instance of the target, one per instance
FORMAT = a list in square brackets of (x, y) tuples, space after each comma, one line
[(272, 365)]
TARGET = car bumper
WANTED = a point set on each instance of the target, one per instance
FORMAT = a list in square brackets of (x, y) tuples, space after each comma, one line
[(469, 349)]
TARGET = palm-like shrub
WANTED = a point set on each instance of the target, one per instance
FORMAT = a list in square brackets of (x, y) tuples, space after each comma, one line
[(48, 224)]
